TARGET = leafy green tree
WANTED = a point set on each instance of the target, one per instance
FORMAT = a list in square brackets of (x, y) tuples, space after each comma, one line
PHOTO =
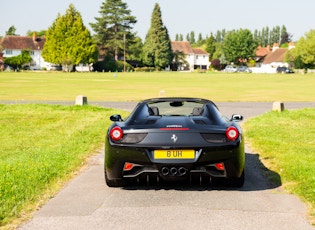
[(200, 41), (18, 61), (68, 41), (11, 31), (192, 38), (38, 33), (210, 46), (157, 50), (305, 49), (239, 45), (113, 27), (179, 60), (135, 50)]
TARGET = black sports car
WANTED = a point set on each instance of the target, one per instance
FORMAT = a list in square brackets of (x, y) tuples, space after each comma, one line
[(173, 139)]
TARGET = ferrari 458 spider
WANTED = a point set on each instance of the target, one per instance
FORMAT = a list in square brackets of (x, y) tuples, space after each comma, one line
[(174, 139)]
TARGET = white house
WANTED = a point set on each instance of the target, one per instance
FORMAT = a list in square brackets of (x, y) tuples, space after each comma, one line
[(14, 45), (196, 58)]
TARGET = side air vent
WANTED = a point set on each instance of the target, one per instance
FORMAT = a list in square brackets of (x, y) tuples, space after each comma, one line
[(199, 122), (150, 122), (214, 137)]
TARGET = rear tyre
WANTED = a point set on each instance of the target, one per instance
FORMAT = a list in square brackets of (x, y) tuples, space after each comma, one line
[(113, 183), (237, 181)]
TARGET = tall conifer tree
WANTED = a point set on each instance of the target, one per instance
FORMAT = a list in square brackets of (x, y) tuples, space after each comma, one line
[(157, 50), (113, 27)]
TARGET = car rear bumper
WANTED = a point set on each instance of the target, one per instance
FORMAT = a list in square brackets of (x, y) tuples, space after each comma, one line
[(143, 163)]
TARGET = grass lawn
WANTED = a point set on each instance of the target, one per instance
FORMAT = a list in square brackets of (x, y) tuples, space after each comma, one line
[(285, 142), (136, 86), (42, 146)]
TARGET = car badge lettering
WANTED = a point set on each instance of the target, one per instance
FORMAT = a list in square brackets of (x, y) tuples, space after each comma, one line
[(174, 126), (174, 138)]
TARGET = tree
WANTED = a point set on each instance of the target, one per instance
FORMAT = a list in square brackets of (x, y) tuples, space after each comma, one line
[(305, 49), (68, 41), (135, 50), (11, 31), (113, 27), (38, 33), (285, 36), (179, 61), (18, 61), (157, 50), (239, 45), (210, 46)]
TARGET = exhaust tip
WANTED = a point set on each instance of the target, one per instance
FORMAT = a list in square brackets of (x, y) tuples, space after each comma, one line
[(182, 171), (173, 171), (165, 171)]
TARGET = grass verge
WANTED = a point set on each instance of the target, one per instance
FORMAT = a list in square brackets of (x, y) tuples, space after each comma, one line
[(41, 148), (286, 144)]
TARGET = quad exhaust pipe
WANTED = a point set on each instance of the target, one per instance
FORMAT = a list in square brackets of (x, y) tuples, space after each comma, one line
[(173, 171)]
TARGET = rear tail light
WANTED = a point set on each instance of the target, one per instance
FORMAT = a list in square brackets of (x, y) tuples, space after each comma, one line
[(231, 133), (116, 133)]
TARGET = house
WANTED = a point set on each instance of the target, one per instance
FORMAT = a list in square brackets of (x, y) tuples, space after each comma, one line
[(196, 58), (14, 45), (268, 59), (261, 53)]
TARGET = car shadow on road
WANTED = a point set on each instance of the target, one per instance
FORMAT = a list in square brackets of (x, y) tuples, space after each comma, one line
[(257, 177)]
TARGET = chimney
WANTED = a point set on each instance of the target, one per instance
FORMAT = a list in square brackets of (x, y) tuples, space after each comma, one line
[(34, 37), (291, 45), (275, 47)]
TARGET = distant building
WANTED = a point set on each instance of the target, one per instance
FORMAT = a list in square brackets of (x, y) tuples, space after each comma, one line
[(14, 45), (268, 59), (196, 58)]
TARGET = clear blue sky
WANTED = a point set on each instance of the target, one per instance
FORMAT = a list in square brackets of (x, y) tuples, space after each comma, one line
[(179, 16)]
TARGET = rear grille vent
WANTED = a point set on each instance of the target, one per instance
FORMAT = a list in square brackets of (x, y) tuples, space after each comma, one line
[(214, 137), (132, 138)]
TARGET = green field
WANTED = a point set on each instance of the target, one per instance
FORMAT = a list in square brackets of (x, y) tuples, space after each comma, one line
[(136, 86), (42, 146)]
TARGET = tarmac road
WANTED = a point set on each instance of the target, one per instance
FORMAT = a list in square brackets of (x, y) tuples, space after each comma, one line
[(87, 203)]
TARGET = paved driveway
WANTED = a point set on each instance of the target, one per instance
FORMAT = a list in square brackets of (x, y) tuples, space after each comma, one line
[(87, 203)]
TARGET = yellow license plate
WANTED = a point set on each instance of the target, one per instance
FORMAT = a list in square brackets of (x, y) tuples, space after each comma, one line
[(174, 154)]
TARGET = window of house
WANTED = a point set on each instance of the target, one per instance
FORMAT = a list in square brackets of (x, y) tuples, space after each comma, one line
[(196, 56), (8, 51), (32, 52)]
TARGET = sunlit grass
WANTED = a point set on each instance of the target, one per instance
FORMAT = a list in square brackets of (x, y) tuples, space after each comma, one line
[(285, 142), (136, 86), (41, 147)]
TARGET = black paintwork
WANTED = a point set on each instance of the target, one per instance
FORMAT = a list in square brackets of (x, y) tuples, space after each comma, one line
[(202, 130)]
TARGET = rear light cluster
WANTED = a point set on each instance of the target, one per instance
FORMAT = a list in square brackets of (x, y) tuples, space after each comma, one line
[(231, 133), (117, 135)]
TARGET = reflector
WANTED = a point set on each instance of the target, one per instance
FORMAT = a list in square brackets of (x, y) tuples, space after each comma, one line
[(219, 166), (128, 166)]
